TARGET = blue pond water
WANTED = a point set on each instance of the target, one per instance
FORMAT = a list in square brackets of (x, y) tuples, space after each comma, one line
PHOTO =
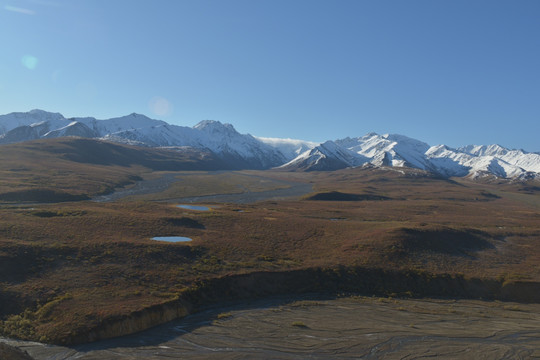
[(171, 238), (194, 207)]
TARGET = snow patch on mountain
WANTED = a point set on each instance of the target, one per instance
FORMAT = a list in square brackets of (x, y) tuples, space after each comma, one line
[(519, 158), (36, 117), (119, 124), (388, 149), (324, 157), (224, 139), (74, 128), (247, 151), (446, 161)]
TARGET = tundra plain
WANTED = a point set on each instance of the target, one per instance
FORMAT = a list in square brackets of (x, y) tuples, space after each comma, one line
[(75, 270)]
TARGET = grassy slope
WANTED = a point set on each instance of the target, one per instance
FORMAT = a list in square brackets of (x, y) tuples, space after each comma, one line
[(86, 167), (67, 267)]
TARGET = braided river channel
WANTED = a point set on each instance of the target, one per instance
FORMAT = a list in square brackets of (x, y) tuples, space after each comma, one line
[(318, 327)]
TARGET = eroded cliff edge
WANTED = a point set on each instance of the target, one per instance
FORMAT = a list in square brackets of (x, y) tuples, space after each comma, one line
[(331, 281)]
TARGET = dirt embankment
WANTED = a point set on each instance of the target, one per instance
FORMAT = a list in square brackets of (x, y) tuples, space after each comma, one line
[(12, 353), (335, 280), (135, 322)]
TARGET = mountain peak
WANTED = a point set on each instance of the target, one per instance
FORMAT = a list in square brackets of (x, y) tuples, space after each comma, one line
[(403, 138), (45, 114), (138, 115), (214, 126), (246, 151), (484, 150), (330, 145), (39, 111)]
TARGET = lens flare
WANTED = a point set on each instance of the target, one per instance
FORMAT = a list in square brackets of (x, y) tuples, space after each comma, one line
[(160, 106), (19, 10), (29, 61)]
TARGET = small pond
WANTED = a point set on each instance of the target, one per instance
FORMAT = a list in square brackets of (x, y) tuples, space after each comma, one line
[(171, 238), (194, 207)]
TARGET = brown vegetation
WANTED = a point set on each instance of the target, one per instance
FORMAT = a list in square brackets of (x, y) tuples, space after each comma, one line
[(12, 353), (71, 169), (69, 269), (339, 196)]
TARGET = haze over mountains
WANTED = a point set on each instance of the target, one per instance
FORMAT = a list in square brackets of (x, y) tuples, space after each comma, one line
[(249, 152)]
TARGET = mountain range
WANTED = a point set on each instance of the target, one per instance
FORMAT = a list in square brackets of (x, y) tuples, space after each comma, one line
[(244, 151)]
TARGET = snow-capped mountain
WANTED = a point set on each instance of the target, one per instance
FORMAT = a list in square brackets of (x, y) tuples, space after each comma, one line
[(249, 152), (239, 150), (398, 150), (389, 149), (375, 149), (35, 117), (479, 161), (223, 139), (520, 158), (326, 156)]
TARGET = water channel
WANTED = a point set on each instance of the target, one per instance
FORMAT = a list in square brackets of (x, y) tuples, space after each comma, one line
[(316, 327), (293, 189), (171, 238), (194, 207)]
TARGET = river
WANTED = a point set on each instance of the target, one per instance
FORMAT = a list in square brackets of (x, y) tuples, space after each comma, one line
[(316, 327), (143, 187)]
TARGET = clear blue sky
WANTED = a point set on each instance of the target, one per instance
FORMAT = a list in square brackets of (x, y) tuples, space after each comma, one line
[(454, 72)]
